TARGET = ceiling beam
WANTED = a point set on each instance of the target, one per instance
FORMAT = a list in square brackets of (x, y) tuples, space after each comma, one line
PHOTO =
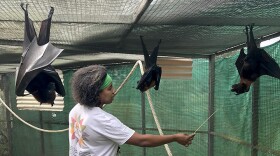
[(136, 16), (197, 21), (242, 45), (69, 22)]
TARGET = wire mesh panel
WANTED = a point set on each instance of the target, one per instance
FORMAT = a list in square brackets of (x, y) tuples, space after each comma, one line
[(269, 110), (200, 12), (246, 123), (4, 120), (180, 105), (232, 125)]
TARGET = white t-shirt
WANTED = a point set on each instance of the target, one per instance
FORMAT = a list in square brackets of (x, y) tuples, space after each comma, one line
[(94, 132)]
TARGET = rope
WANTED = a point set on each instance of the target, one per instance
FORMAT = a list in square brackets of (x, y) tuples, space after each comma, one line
[(129, 74), (150, 102), (157, 122), (39, 129), (122, 84)]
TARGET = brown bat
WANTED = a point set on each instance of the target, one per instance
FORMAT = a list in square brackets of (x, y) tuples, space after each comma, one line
[(152, 74), (256, 63)]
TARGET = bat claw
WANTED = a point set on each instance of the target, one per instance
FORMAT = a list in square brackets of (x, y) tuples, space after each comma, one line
[(246, 29), (159, 42), (251, 26), (22, 6), (51, 12)]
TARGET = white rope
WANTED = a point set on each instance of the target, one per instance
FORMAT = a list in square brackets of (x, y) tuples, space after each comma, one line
[(39, 129), (150, 102), (129, 74), (157, 122)]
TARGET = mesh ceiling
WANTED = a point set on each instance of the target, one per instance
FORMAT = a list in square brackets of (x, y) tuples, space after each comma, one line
[(186, 27)]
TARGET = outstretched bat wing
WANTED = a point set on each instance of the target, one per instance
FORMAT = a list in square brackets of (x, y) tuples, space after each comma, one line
[(240, 60), (37, 58), (269, 65)]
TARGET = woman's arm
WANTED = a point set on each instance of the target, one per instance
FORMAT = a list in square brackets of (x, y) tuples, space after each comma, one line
[(149, 140)]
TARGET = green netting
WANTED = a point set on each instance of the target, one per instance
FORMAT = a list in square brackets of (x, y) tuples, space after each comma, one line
[(31, 142), (269, 110), (181, 106), (4, 137), (233, 123), (233, 119)]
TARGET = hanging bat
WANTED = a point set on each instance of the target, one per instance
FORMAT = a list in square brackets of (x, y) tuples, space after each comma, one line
[(152, 74), (256, 63), (35, 73)]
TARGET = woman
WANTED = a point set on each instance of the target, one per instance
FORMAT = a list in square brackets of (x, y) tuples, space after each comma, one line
[(92, 131)]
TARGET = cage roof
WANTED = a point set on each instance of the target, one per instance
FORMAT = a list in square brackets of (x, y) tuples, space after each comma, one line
[(90, 30)]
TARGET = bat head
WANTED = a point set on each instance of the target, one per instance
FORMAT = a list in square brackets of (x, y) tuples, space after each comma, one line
[(239, 88), (46, 94)]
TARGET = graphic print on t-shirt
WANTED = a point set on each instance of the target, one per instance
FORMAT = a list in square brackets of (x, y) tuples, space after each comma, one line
[(77, 130)]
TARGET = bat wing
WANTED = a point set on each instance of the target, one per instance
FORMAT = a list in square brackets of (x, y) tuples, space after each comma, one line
[(153, 56), (146, 54), (29, 31), (44, 34), (36, 59), (158, 76), (149, 79), (240, 61), (269, 65)]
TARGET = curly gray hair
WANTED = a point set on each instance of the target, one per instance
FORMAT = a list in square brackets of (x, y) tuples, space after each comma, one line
[(86, 83)]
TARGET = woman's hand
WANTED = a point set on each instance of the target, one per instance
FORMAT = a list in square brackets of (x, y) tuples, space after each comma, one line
[(184, 139)]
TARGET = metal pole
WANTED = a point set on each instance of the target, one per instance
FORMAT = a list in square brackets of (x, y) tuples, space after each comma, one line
[(211, 104), (255, 117), (42, 134), (6, 91), (143, 110)]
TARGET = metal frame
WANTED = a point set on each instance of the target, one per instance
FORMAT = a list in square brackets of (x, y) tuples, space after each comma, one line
[(211, 104)]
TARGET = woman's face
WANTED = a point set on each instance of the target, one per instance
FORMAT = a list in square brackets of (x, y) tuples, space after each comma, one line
[(107, 95)]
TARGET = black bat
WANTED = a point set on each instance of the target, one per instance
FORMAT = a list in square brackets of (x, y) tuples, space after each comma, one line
[(35, 73), (256, 63), (152, 74)]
